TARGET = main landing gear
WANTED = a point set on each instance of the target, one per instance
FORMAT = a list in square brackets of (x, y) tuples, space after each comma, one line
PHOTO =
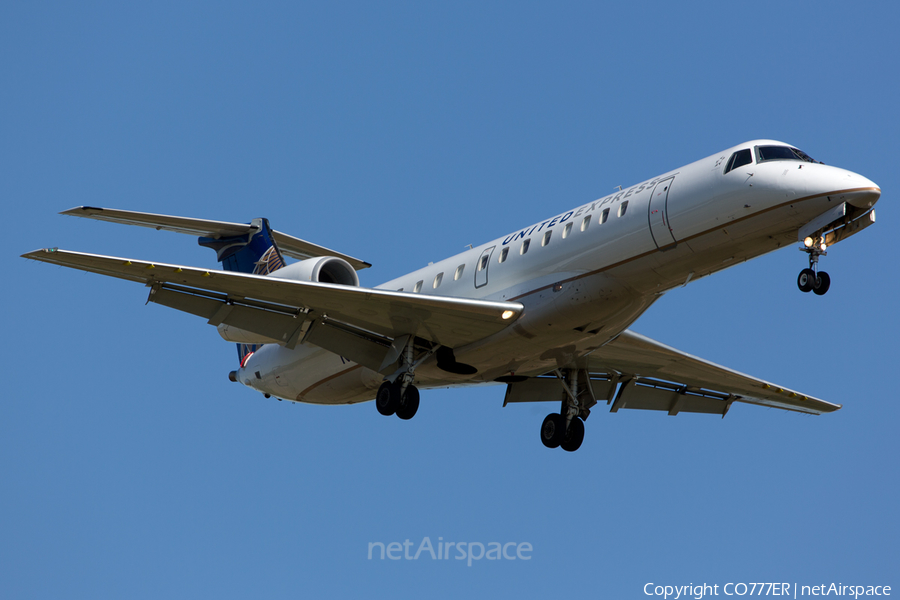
[(811, 279), (565, 429), (397, 395), (393, 399), (556, 434)]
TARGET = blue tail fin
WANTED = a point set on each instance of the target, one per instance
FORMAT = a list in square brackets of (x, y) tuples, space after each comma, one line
[(254, 252)]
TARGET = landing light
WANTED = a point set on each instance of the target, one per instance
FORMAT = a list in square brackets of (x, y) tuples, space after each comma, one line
[(507, 314), (823, 247), (808, 242)]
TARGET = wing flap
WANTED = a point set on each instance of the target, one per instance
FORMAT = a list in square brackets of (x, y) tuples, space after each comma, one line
[(448, 321), (276, 324), (650, 394), (279, 326), (287, 244), (646, 360)]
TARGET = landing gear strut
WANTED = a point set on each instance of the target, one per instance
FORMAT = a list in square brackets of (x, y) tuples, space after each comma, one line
[(565, 429), (397, 395), (811, 279)]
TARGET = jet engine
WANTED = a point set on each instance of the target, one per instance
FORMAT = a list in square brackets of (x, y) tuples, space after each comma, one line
[(322, 269)]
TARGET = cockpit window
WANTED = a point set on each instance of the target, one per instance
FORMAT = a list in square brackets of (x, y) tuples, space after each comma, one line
[(739, 159), (765, 153), (806, 157)]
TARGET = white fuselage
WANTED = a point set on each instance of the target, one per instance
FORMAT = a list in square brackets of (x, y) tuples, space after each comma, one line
[(603, 264)]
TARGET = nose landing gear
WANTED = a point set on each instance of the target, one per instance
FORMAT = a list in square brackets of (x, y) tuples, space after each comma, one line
[(811, 279)]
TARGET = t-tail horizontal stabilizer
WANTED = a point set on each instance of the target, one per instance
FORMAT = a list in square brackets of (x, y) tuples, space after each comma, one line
[(288, 245)]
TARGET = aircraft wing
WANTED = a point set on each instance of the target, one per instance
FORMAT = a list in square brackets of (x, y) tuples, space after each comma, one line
[(287, 244), (659, 377), (358, 323)]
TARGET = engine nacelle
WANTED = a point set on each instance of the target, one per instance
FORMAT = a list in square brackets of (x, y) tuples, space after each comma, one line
[(322, 269)]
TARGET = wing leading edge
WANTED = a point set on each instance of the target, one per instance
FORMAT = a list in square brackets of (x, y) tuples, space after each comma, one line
[(658, 377), (360, 320)]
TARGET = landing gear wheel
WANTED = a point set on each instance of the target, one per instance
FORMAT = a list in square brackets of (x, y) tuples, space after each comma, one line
[(409, 404), (806, 280), (822, 283), (574, 436), (553, 430), (387, 400)]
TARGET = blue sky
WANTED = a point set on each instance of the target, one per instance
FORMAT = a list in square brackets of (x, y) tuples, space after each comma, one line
[(399, 133)]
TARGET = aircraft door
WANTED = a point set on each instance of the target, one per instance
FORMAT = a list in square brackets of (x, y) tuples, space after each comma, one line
[(481, 268), (658, 215)]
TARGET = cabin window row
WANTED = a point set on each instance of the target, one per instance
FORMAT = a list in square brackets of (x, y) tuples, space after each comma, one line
[(438, 279), (526, 244), (545, 239)]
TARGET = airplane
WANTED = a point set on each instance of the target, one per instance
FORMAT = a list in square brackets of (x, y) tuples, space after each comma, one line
[(545, 309)]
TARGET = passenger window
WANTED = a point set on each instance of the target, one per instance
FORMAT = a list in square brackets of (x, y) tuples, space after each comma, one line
[(437, 280), (503, 254), (585, 223), (482, 263), (604, 216), (418, 287), (567, 230), (739, 159), (622, 208), (459, 272), (525, 245), (546, 239)]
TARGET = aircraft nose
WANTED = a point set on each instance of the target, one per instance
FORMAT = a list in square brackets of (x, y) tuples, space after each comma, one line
[(865, 195), (852, 188)]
